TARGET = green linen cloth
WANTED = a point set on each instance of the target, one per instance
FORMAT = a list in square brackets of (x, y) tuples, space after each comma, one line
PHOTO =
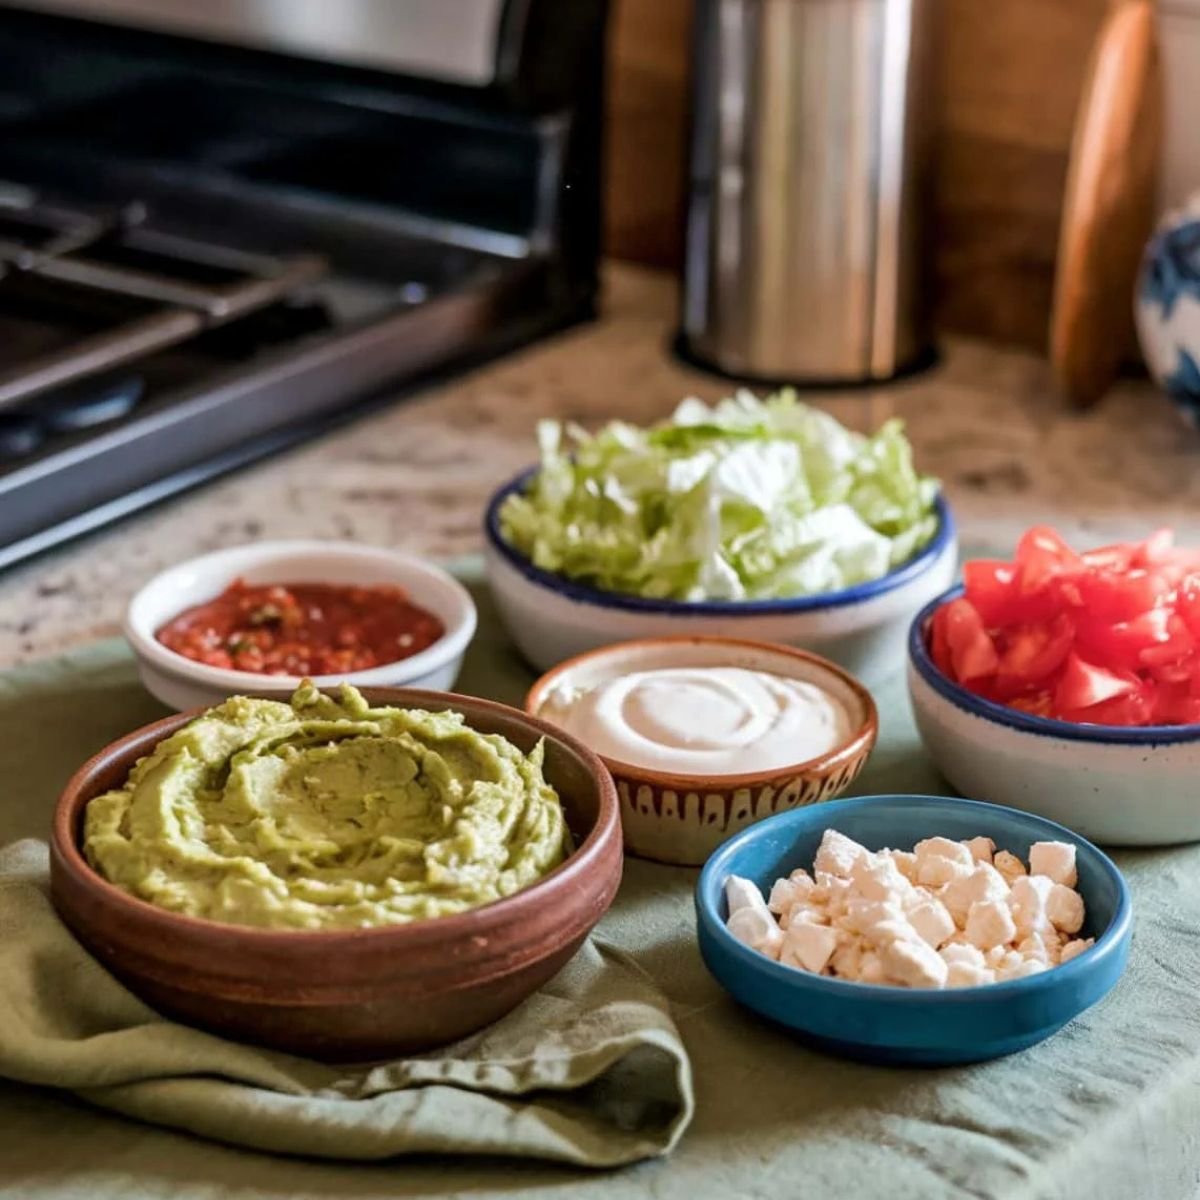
[(1109, 1109)]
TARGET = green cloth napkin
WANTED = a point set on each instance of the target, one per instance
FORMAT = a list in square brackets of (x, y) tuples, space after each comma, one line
[(1108, 1109), (590, 1070)]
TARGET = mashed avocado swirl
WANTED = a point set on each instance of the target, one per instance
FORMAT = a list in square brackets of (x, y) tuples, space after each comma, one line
[(327, 814)]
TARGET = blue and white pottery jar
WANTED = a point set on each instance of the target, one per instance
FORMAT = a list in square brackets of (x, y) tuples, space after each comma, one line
[(1168, 308)]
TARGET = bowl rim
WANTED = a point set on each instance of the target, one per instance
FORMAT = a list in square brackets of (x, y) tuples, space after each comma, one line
[(451, 644), (922, 663), (582, 593), (862, 739), (1107, 944), (569, 874)]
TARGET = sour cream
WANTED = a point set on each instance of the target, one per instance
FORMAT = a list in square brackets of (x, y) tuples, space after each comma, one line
[(702, 720)]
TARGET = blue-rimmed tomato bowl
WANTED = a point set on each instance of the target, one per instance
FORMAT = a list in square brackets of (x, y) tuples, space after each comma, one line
[(551, 618), (910, 1026), (1116, 784)]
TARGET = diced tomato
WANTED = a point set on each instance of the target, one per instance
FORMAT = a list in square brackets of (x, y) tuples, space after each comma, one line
[(1182, 672), (1173, 573), (1118, 557), (1110, 636), (939, 644), (1109, 597), (993, 588), (972, 653), (1040, 704), (1157, 548), (1122, 644), (1135, 707), (1031, 653), (1042, 556), (1084, 684), (989, 586), (1187, 603), (1176, 704), (1172, 651)]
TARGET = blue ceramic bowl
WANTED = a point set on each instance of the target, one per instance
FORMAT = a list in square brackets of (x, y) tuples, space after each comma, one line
[(910, 1026)]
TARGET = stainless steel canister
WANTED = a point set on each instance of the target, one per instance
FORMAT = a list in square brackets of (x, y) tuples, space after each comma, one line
[(806, 244)]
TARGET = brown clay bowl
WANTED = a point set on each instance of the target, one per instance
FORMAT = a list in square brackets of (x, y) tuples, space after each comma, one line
[(357, 994), (682, 819)]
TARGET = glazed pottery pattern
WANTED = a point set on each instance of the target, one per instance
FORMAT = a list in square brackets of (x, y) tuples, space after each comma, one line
[(1168, 308), (685, 827)]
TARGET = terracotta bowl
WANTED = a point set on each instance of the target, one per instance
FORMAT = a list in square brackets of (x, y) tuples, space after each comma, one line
[(682, 819), (358, 994)]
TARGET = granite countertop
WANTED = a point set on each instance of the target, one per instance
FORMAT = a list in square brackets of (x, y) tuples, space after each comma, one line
[(417, 475)]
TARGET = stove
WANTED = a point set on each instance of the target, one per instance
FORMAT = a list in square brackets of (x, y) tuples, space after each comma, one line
[(223, 230)]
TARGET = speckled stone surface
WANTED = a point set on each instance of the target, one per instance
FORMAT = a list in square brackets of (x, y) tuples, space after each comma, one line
[(417, 475)]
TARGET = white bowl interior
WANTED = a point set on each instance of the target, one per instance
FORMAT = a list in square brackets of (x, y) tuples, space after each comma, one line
[(601, 666), (201, 579)]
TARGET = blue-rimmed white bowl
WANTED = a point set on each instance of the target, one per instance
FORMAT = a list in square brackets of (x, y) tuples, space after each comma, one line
[(552, 618), (1115, 784), (917, 1026)]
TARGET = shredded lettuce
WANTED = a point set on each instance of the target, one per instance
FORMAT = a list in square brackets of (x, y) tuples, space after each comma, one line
[(745, 499)]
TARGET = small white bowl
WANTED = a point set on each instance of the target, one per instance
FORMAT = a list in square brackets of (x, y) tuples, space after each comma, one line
[(552, 618), (1112, 784), (183, 684)]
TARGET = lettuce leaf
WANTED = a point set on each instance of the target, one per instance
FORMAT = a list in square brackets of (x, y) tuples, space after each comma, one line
[(743, 499)]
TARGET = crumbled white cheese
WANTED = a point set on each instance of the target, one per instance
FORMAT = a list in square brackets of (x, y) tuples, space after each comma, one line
[(932, 921), (1009, 865), (981, 848), (861, 916), (1074, 949), (1027, 899), (1055, 860), (786, 894), (741, 893), (878, 878), (808, 946), (964, 953), (870, 968), (1039, 946), (913, 963), (814, 914), (945, 914), (1064, 907), (837, 854), (989, 924), (983, 883), (1027, 966), (960, 974), (831, 891), (758, 930), (935, 872), (940, 847)]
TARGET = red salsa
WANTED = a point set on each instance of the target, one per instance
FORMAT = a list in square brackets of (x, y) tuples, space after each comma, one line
[(302, 629)]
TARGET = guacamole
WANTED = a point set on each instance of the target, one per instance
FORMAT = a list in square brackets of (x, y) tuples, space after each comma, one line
[(327, 814)]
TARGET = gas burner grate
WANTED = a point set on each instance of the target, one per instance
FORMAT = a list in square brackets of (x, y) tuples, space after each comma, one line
[(172, 288)]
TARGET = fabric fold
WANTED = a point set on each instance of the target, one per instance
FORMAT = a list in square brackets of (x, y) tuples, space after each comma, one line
[(590, 1070)]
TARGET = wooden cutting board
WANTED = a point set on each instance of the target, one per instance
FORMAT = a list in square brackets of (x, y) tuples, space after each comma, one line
[(1109, 207)]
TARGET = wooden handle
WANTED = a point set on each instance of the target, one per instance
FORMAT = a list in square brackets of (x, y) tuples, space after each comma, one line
[(1109, 206)]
